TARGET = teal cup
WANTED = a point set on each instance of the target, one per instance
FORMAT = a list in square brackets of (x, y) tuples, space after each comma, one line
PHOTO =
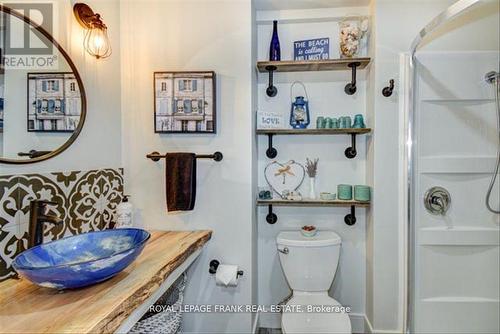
[(348, 122), (362, 193), (345, 122), (344, 192), (328, 123), (320, 122), (359, 122), (342, 123), (335, 123)]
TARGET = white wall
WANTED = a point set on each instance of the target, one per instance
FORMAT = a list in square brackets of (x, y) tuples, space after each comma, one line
[(194, 35), (327, 98), (395, 25), (99, 144)]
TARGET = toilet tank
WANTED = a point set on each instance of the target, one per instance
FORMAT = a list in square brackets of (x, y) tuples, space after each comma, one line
[(309, 263)]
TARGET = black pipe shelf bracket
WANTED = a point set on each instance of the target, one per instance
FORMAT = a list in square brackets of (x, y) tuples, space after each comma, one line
[(271, 90), (271, 152), (349, 219), (349, 152), (350, 88), (271, 217)]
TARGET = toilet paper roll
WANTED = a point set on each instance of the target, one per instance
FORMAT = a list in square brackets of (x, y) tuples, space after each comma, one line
[(226, 275)]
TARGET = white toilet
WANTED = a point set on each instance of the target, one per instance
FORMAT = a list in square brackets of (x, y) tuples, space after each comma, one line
[(309, 264)]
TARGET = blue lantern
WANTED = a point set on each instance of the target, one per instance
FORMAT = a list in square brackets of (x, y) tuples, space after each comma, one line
[(299, 114)]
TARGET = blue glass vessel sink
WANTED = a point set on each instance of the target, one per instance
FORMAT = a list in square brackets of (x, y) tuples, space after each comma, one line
[(81, 260)]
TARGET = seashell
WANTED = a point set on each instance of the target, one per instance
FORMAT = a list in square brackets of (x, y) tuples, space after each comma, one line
[(294, 196), (364, 25)]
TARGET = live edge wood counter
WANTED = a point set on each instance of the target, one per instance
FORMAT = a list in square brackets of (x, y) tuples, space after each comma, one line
[(27, 308)]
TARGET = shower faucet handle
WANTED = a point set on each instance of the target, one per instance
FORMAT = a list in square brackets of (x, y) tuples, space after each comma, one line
[(437, 200)]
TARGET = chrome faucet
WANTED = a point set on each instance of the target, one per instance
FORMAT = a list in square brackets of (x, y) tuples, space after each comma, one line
[(38, 217), (437, 200)]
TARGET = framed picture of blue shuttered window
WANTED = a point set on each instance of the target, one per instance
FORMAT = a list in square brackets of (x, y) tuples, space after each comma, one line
[(54, 102), (185, 102)]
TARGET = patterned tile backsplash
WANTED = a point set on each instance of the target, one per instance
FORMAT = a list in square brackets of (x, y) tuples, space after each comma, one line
[(86, 200)]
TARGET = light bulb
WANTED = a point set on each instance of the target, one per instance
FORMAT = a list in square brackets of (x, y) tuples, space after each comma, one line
[(97, 42)]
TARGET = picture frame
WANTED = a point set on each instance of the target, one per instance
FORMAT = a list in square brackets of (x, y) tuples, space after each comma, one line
[(54, 102), (185, 102), (312, 49)]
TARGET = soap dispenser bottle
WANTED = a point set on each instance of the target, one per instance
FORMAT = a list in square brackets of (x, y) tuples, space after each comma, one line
[(124, 213)]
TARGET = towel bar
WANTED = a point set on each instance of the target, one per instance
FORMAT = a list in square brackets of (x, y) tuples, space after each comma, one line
[(217, 156)]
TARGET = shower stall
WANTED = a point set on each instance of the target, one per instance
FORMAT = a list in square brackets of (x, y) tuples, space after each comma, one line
[(452, 141)]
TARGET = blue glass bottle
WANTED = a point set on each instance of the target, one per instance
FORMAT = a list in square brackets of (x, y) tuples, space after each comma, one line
[(274, 49)]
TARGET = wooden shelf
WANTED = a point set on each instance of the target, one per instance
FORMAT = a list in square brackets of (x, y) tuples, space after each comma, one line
[(312, 203), (350, 152), (349, 219), (312, 131), (312, 65)]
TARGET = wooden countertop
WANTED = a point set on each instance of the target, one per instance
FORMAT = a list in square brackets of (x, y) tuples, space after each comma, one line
[(27, 308)]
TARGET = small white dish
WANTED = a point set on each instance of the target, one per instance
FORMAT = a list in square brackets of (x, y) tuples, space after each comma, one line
[(327, 196)]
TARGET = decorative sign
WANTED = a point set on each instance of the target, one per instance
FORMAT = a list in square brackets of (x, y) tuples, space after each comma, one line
[(312, 49), (269, 120), (284, 178)]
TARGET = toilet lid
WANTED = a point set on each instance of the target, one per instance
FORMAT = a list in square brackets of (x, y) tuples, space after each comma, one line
[(328, 321)]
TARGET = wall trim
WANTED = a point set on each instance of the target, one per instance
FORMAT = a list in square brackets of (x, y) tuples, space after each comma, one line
[(287, 16), (404, 249), (359, 323), (255, 326), (369, 329)]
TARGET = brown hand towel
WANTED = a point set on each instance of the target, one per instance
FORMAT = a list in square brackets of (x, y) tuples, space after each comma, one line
[(181, 181)]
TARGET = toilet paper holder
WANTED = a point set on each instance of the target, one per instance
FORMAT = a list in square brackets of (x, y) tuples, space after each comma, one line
[(214, 264)]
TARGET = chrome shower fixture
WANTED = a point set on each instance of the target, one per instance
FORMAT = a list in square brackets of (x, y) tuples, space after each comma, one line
[(492, 76)]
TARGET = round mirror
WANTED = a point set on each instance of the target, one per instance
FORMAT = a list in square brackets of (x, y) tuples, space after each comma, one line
[(42, 98)]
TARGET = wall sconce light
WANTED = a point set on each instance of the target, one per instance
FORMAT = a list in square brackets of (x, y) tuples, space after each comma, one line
[(96, 41)]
